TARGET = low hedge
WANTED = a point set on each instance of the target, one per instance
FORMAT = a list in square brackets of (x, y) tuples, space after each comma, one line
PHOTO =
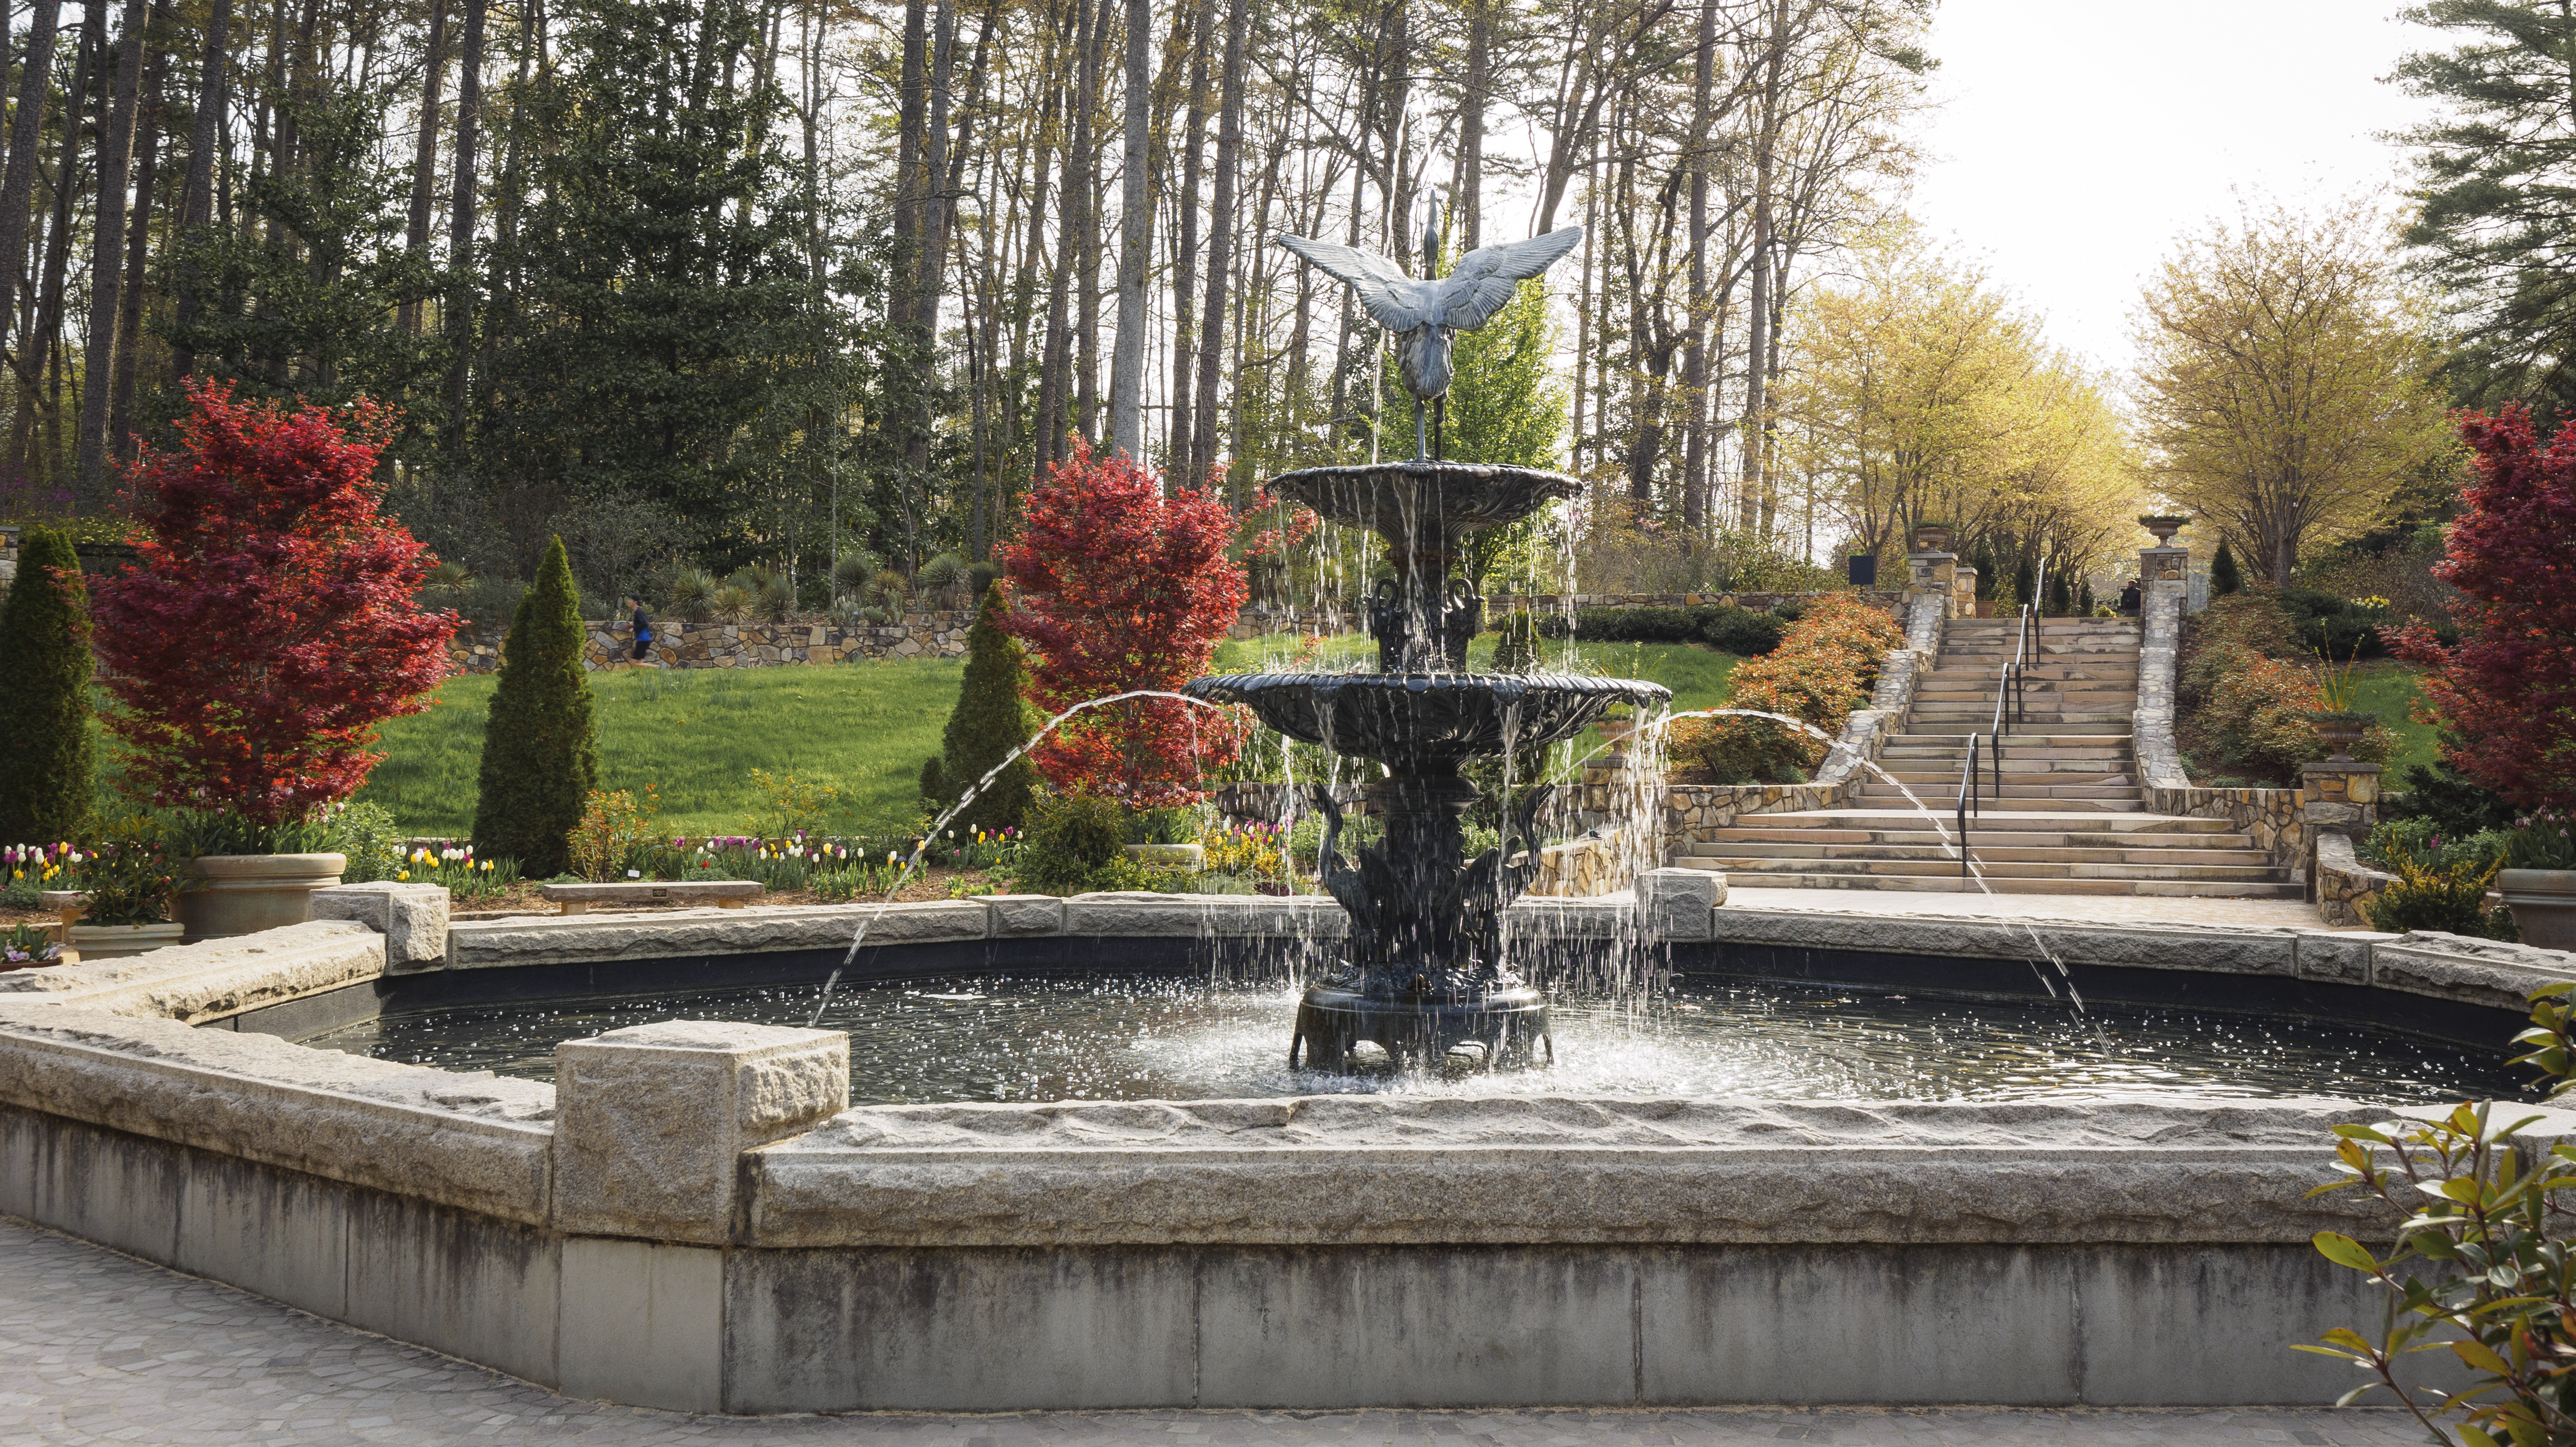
[(1722, 626), (1825, 667)]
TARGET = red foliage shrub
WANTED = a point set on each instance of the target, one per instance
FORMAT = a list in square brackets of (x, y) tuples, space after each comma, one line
[(272, 625), (2506, 693), (1824, 668), (1116, 587)]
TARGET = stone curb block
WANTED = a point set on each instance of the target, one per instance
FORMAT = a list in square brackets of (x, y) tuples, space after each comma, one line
[(213, 978), (411, 917)]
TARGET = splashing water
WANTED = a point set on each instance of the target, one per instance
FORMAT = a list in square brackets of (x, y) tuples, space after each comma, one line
[(955, 809)]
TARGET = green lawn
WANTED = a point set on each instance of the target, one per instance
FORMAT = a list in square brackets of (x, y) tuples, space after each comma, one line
[(2390, 690), (696, 734)]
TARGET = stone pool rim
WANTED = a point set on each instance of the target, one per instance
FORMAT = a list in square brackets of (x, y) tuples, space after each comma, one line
[(692, 1220)]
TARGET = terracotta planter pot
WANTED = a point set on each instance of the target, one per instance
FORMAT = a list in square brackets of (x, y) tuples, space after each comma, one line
[(246, 893), (1185, 856), (2543, 903), (1985, 607), (116, 941)]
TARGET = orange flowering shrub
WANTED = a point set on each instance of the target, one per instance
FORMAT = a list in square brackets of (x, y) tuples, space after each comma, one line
[(1824, 668)]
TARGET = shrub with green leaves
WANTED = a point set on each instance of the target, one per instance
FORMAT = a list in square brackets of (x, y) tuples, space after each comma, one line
[(2480, 1267), (367, 836), (540, 742), (1517, 651), (1075, 843), (2542, 839), (2224, 576), (47, 756), (2441, 881)]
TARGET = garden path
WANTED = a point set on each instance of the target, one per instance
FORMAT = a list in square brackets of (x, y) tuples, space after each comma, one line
[(103, 1348)]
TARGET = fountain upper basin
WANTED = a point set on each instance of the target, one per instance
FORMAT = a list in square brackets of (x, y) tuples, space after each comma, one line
[(1426, 718)]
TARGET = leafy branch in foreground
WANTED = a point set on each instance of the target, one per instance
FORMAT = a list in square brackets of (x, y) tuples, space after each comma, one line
[(2479, 1206)]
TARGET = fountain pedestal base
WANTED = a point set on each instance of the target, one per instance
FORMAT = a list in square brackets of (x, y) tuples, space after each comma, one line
[(1509, 1025)]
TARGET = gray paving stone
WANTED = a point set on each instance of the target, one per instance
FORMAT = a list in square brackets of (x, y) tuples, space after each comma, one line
[(102, 1348)]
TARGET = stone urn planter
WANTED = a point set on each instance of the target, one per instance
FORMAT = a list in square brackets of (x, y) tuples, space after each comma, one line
[(239, 894), (116, 941), (2341, 731), (1169, 856), (2543, 902), (2164, 528), (1932, 537)]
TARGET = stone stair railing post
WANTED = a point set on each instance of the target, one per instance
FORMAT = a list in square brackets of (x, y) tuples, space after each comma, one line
[(2335, 799), (1931, 574)]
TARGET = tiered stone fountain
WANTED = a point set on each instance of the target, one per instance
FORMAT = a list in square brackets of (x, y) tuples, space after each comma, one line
[(1424, 972)]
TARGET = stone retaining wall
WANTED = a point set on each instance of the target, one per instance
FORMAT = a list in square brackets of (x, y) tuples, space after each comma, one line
[(693, 1218), (2344, 885), (934, 634), (1501, 605)]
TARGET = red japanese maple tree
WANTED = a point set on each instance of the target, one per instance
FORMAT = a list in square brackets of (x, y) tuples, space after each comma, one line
[(271, 625), (2507, 691), (1116, 587)]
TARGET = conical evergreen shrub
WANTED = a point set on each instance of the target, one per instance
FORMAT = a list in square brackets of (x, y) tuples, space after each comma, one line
[(2224, 575), (2025, 582), (46, 754), (541, 742), (2060, 598), (990, 720), (1983, 560), (1517, 650)]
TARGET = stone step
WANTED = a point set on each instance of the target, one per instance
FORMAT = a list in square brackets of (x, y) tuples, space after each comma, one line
[(1964, 727), (2015, 785), (2087, 742), (1748, 840), (1951, 883), (1987, 796), (2261, 873), (2249, 858), (2083, 821)]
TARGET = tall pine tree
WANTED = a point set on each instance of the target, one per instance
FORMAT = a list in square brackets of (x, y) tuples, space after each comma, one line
[(540, 743), (46, 753)]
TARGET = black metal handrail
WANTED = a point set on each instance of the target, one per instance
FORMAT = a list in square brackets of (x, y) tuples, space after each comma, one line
[(1967, 802)]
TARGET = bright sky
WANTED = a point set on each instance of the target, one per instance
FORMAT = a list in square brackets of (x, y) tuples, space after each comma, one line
[(2074, 141)]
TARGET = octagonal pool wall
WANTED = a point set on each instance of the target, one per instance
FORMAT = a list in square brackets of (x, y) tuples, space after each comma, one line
[(691, 1219)]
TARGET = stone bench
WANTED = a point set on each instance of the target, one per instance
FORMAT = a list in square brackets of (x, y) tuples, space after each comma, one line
[(578, 898)]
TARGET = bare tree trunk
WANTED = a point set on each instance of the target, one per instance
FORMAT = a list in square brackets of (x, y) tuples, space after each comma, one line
[(18, 185), (129, 326), (44, 338), (1086, 330), (1757, 355), (1135, 242), (1467, 193), (461, 209), (1221, 225), (107, 237), (1058, 385), (424, 157), (1695, 353), (1199, 16), (911, 116)]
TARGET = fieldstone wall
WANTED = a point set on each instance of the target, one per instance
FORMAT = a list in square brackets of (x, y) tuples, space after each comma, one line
[(2344, 885), (2270, 816), (1502, 605), (938, 633)]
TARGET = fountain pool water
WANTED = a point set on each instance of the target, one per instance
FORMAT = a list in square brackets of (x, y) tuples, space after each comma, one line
[(1031, 1038)]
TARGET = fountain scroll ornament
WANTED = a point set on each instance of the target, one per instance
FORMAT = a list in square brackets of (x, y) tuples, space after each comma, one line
[(1424, 973)]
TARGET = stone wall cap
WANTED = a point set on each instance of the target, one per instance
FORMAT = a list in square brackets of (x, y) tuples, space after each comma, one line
[(705, 1037)]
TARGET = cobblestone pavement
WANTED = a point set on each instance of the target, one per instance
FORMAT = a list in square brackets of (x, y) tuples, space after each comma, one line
[(97, 1347), (2093, 908)]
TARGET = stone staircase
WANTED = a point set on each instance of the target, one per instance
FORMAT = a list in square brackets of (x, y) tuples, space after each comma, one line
[(2067, 818)]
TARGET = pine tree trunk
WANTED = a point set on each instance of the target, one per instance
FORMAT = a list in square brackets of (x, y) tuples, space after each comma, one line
[(1221, 227), (1695, 353), (18, 184), (1467, 199), (197, 197), (107, 237), (461, 214), (424, 162), (44, 338), (911, 114), (1200, 17), (1135, 243), (129, 326), (1086, 331)]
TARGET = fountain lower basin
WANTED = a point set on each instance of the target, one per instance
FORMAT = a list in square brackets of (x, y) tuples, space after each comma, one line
[(690, 1218)]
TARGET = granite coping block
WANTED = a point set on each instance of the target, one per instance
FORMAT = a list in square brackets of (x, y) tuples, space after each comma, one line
[(1374, 1171), (2240, 951), (2457, 967), (213, 978), (1192, 916), (591, 939), (472, 1140)]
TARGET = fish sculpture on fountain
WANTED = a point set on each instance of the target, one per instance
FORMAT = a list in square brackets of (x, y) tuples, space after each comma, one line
[(1424, 971)]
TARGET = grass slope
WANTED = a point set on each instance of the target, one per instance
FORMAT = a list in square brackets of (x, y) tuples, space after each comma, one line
[(2390, 691), (696, 734)]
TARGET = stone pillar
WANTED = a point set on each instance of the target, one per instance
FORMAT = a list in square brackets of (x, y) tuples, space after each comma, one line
[(1932, 575), (8, 555), (2338, 799), (650, 1126), (1963, 592), (2164, 570)]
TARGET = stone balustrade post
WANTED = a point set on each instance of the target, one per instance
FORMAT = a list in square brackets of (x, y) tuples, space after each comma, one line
[(2164, 570), (650, 1125), (1932, 575), (2337, 799), (1963, 592)]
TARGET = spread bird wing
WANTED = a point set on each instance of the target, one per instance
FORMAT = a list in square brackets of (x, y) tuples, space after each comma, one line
[(1380, 283), (1488, 277)]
